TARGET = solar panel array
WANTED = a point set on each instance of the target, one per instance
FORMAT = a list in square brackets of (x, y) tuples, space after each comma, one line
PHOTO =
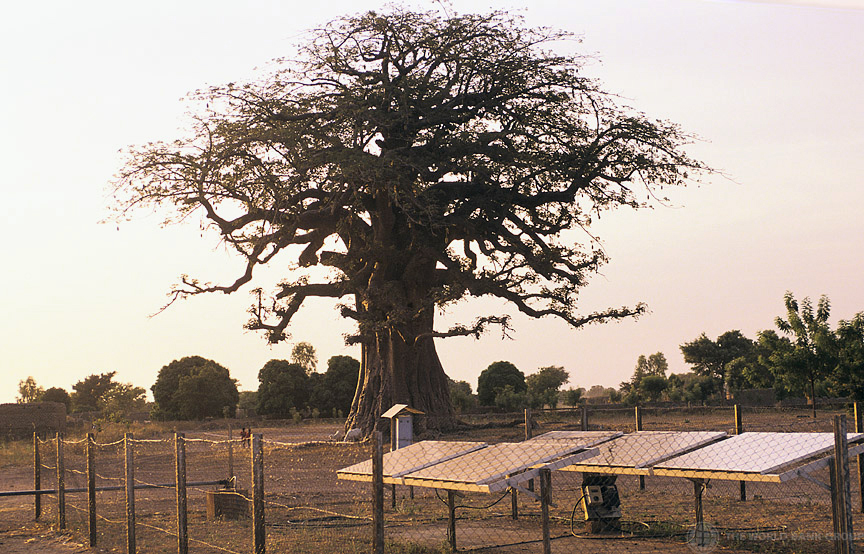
[(700, 454), (643, 449), (760, 453)]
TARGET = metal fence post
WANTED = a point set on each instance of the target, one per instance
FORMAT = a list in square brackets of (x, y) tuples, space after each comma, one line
[(739, 428), (37, 478), (180, 480), (61, 485), (842, 495), (378, 492), (130, 492), (91, 490), (638, 413), (259, 532)]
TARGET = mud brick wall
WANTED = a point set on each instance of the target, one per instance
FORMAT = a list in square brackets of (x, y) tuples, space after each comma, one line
[(228, 504), (21, 420)]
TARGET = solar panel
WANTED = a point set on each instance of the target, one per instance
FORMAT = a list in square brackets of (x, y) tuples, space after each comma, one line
[(490, 468), (410, 458), (754, 453), (581, 438), (636, 452)]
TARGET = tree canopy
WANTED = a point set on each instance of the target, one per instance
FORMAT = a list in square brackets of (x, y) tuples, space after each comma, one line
[(282, 386), (194, 388), (304, 354), (422, 160), (495, 378), (28, 390), (88, 392), (544, 385)]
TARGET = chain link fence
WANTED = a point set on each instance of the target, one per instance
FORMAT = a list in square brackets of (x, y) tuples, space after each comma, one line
[(685, 483)]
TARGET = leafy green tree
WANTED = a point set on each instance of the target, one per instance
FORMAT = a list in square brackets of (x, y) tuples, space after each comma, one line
[(494, 378), (304, 355), (29, 391), (119, 402), (194, 388), (544, 385), (334, 391), (572, 397), (89, 391), (282, 386), (461, 396), (247, 399), (848, 378), (420, 160), (814, 352), (509, 399), (57, 394), (652, 387), (710, 358)]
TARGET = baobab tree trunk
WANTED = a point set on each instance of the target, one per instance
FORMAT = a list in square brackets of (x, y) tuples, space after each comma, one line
[(397, 369)]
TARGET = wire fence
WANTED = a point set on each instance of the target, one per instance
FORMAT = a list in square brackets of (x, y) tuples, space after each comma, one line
[(644, 480)]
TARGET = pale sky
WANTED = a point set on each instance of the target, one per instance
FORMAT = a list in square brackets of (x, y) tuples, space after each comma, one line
[(774, 89)]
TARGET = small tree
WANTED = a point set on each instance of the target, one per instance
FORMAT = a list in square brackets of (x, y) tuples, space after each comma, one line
[(494, 378), (283, 386), (194, 388), (815, 346), (461, 396), (544, 385), (88, 392), (247, 399), (652, 386), (333, 392), (29, 391), (509, 399), (848, 378), (57, 394), (121, 401), (304, 355), (572, 397)]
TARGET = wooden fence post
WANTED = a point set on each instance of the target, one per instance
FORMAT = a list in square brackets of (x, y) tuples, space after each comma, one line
[(180, 480), (451, 519), (529, 432), (545, 485), (859, 428), (91, 489), (584, 415), (378, 492), (259, 531), (129, 466), (638, 413), (61, 485), (230, 456), (739, 428), (37, 477), (842, 496)]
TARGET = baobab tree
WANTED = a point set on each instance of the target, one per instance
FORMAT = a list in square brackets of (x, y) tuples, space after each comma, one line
[(423, 160)]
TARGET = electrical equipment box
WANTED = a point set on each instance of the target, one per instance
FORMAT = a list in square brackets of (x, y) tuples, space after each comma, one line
[(601, 503), (594, 495)]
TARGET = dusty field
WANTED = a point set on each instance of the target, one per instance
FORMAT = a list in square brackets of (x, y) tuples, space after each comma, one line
[(309, 510)]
